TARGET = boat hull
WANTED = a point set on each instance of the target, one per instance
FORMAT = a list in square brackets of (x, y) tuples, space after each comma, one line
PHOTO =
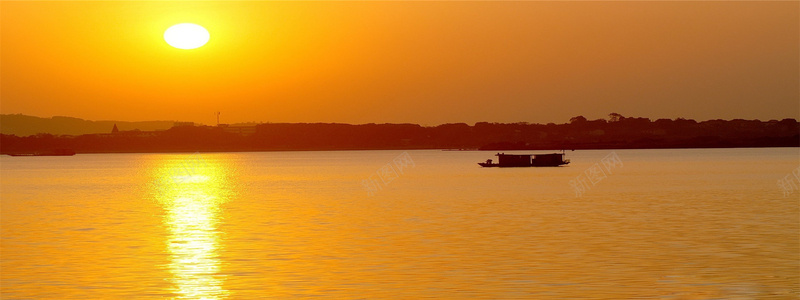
[(485, 165), (58, 152), (39, 154)]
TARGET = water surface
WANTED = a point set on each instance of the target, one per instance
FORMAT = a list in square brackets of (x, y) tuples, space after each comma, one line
[(662, 224)]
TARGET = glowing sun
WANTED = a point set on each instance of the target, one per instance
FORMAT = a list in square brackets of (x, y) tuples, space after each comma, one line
[(186, 36)]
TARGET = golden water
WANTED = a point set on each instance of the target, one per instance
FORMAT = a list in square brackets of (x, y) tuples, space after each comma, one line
[(664, 224)]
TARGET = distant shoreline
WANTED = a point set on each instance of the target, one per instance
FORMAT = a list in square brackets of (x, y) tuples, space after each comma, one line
[(580, 134), (405, 149)]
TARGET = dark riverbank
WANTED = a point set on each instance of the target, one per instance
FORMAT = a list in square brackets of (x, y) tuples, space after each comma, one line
[(617, 133)]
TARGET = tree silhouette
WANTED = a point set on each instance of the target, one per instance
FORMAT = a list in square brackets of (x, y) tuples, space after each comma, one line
[(578, 119)]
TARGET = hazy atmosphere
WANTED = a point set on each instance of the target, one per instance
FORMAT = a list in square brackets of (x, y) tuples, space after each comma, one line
[(418, 62), (540, 150)]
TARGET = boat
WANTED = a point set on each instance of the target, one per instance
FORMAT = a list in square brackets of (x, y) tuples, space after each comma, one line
[(526, 160), (57, 152)]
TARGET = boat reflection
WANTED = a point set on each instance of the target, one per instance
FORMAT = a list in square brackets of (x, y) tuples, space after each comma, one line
[(191, 191)]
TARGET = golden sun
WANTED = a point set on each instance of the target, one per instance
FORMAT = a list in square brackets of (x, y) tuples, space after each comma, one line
[(186, 36)]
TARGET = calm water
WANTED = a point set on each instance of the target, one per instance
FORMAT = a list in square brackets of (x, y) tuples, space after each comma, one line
[(660, 224)]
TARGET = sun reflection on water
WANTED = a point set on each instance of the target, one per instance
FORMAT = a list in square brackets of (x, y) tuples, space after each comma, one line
[(191, 198)]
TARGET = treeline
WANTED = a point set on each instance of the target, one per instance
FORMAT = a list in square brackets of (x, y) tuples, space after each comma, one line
[(617, 132)]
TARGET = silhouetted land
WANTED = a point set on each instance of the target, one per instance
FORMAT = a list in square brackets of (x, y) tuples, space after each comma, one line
[(23, 125), (616, 133)]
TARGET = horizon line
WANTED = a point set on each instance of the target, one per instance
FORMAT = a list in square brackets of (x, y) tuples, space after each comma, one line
[(420, 124)]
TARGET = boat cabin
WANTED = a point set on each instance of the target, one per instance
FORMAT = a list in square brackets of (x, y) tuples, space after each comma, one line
[(514, 160), (552, 159), (527, 160)]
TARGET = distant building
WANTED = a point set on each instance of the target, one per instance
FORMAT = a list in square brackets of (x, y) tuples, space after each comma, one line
[(244, 129), (115, 130), (182, 124)]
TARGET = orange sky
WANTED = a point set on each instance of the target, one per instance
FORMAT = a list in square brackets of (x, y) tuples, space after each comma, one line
[(416, 62)]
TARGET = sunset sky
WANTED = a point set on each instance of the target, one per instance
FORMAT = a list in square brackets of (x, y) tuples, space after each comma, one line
[(402, 62)]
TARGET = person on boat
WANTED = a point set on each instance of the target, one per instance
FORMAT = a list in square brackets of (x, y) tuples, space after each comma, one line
[(489, 161)]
